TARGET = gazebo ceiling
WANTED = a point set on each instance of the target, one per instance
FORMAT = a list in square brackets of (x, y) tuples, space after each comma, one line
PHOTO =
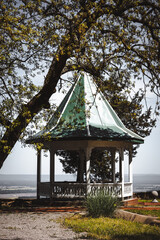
[(85, 114)]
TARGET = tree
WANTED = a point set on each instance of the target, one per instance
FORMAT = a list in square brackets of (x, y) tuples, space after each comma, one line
[(50, 38)]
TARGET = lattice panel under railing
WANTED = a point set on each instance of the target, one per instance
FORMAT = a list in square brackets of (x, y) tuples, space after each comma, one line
[(111, 189), (69, 189), (127, 189)]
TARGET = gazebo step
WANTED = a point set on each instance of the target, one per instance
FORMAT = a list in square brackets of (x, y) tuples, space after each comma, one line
[(130, 202), (67, 202), (61, 202), (37, 204)]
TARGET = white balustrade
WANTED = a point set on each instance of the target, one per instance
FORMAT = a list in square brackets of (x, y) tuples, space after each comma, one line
[(73, 189), (69, 189)]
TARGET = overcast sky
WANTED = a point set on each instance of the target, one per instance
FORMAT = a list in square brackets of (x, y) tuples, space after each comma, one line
[(23, 160)]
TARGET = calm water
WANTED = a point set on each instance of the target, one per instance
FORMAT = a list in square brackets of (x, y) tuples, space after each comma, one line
[(12, 186), (146, 182)]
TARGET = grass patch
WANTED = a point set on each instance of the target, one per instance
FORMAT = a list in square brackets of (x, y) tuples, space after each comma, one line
[(153, 213), (147, 200), (105, 228)]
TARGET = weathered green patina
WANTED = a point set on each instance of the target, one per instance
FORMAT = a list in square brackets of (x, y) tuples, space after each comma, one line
[(85, 114)]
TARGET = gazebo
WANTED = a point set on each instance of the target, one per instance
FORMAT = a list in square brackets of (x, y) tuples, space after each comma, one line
[(84, 121)]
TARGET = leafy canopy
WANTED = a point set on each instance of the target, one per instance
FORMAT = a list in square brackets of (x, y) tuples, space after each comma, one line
[(49, 38)]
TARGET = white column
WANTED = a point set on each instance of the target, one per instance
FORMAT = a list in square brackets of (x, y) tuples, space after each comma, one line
[(130, 166), (52, 171), (113, 165), (130, 172), (121, 161), (88, 155), (38, 172)]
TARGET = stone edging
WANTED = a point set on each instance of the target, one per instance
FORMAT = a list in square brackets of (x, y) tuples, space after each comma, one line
[(134, 217)]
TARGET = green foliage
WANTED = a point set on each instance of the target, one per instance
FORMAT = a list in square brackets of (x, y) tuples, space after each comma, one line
[(147, 200), (101, 204), (100, 163), (113, 229), (69, 166)]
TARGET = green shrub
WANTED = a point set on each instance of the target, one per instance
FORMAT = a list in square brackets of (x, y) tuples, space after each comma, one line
[(101, 204)]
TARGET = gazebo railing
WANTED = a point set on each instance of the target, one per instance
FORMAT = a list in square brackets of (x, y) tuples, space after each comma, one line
[(62, 189), (73, 189), (114, 189), (69, 189)]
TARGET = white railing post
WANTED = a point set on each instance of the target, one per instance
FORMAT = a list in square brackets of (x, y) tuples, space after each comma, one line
[(38, 172), (121, 161), (52, 171), (130, 170), (113, 165), (88, 155)]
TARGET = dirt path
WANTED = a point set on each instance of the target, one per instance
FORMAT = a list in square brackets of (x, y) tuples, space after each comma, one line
[(35, 225)]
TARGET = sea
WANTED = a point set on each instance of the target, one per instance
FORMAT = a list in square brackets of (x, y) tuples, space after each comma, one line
[(24, 186)]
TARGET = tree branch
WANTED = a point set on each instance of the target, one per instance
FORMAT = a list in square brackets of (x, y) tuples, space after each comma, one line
[(3, 121)]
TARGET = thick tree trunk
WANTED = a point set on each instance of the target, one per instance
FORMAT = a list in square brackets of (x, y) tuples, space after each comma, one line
[(29, 110)]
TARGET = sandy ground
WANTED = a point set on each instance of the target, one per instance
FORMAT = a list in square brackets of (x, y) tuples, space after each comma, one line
[(30, 225)]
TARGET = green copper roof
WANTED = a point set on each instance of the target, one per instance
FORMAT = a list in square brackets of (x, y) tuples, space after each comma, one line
[(83, 114)]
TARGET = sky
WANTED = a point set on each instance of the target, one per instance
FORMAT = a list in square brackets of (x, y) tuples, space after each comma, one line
[(23, 160)]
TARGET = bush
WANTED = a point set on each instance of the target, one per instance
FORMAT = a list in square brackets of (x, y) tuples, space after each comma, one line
[(101, 204)]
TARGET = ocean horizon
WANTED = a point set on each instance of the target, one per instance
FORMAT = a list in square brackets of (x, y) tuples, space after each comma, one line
[(24, 185)]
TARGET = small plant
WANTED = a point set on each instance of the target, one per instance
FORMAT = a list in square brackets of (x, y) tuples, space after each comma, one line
[(101, 204)]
